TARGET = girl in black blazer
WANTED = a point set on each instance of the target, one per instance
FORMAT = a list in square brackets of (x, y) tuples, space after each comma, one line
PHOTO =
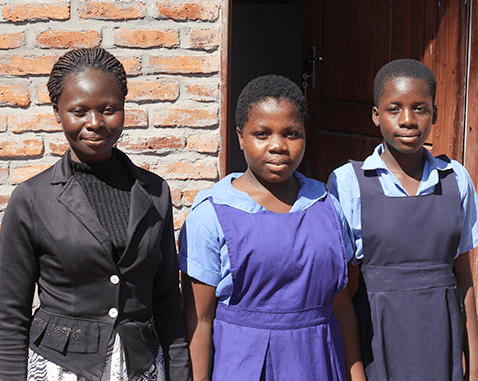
[(95, 233)]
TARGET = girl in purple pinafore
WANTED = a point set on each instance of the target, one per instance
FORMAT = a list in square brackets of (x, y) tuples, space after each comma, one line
[(414, 218), (264, 257)]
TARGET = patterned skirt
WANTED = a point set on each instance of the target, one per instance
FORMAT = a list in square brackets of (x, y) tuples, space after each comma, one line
[(41, 369)]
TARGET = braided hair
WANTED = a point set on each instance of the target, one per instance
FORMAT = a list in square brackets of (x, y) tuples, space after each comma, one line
[(79, 60), (403, 68), (265, 87)]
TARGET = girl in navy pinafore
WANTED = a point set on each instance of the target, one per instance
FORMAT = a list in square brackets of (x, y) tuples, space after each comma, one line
[(414, 220), (264, 260)]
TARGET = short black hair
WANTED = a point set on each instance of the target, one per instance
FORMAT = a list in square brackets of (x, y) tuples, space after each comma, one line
[(403, 68), (269, 86), (79, 60)]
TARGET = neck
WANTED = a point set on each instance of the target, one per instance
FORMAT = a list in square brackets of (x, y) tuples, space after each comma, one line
[(277, 197), (409, 164)]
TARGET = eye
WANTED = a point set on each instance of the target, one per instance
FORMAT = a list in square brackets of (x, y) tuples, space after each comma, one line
[(421, 109), (393, 109), (79, 112), (292, 134), (261, 134), (109, 110)]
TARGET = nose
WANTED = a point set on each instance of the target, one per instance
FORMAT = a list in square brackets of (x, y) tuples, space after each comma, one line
[(407, 118), (95, 120), (278, 144)]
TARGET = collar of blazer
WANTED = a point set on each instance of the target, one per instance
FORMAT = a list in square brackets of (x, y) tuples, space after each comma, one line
[(62, 171)]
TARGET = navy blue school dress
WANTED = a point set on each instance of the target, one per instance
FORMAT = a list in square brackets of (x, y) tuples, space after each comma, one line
[(408, 303), (286, 269)]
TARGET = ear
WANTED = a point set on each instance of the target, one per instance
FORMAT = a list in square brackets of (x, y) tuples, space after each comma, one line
[(55, 111), (240, 137), (375, 116), (435, 114)]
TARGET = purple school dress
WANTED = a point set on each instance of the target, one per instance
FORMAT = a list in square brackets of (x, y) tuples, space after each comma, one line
[(286, 268), (408, 302)]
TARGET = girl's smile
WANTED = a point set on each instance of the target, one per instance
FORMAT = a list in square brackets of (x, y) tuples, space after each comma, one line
[(91, 112), (405, 115), (273, 140)]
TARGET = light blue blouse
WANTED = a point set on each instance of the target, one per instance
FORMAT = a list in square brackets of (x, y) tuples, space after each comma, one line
[(202, 248), (343, 184)]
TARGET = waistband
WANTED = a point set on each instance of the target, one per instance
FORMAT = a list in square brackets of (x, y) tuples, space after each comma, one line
[(275, 320), (401, 278)]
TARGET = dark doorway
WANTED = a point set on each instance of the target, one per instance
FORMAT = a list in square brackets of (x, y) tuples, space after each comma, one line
[(354, 39), (266, 38)]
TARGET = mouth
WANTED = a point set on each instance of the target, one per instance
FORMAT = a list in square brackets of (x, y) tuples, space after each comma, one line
[(407, 138), (94, 141), (277, 165)]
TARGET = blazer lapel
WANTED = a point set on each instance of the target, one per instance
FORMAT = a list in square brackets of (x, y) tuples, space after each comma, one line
[(74, 199)]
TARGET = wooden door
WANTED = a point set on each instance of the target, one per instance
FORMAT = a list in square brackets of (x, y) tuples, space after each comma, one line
[(355, 39)]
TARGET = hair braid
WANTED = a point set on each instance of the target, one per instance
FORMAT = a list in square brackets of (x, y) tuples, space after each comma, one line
[(79, 60)]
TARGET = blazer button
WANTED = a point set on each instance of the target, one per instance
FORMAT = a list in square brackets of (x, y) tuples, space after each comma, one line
[(114, 279), (113, 312)]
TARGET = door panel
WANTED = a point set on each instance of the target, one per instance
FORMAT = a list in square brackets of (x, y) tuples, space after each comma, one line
[(355, 39)]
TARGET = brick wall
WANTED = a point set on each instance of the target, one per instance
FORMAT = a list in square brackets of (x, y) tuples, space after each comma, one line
[(170, 50)]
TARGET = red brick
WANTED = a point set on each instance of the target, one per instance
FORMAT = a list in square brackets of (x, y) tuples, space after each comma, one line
[(189, 195), (4, 200), (146, 38), (204, 143), (191, 10), (192, 64), (11, 40), (62, 39), (178, 117), (58, 147), (151, 144), (139, 91), (135, 118), (176, 197), (102, 10), (200, 170), (21, 148), (132, 65), (207, 39), (203, 92), (35, 122), (14, 95), (14, 64), (178, 220), (36, 11), (42, 94), (22, 174), (3, 123), (4, 172)]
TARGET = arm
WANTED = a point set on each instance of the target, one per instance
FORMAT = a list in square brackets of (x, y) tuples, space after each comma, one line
[(347, 319), (199, 300), (465, 282), (167, 307), (18, 273)]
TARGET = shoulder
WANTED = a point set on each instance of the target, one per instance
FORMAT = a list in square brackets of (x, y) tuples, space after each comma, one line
[(443, 163), (342, 180), (38, 186), (311, 187), (343, 172), (150, 181), (219, 191)]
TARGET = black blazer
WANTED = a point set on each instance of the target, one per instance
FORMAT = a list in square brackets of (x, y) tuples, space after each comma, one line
[(51, 235)]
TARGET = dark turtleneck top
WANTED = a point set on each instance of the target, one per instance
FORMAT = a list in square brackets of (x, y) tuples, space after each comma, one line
[(107, 186)]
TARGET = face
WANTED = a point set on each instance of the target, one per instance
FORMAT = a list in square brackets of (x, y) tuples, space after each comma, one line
[(91, 112), (273, 140), (405, 114)]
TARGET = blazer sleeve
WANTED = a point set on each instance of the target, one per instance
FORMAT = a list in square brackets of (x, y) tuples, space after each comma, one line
[(167, 305), (19, 270)]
